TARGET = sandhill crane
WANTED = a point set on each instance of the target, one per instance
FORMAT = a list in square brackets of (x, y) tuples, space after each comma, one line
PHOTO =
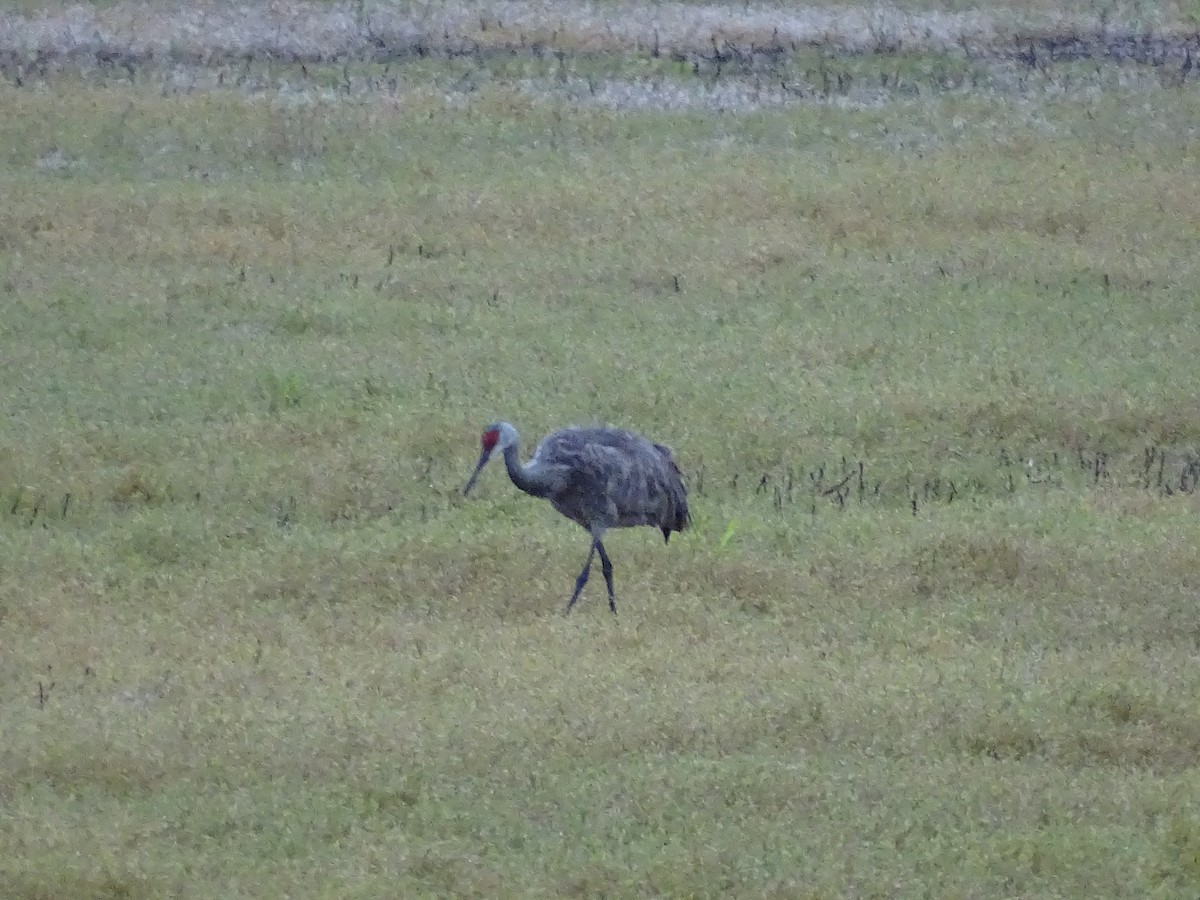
[(599, 477)]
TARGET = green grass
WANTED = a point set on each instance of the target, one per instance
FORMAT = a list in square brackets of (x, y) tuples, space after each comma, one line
[(256, 644)]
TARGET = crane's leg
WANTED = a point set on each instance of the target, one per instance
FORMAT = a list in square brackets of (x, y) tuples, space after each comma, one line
[(606, 567), (583, 576)]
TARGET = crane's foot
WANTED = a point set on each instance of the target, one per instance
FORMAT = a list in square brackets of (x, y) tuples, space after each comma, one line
[(579, 583)]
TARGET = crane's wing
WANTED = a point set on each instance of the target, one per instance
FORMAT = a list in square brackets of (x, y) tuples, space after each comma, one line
[(614, 478), (640, 480)]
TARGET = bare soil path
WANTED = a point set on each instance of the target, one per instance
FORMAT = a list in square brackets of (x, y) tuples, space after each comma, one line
[(214, 31)]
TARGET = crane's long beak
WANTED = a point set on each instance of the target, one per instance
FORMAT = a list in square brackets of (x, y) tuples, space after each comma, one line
[(483, 458)]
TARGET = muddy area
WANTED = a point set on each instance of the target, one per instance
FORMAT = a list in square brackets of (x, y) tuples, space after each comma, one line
[(720, 56)]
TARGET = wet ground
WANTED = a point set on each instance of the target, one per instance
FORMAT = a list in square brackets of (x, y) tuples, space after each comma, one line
[(614, 55)]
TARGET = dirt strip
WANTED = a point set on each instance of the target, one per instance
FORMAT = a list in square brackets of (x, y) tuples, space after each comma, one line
[(215, 31)]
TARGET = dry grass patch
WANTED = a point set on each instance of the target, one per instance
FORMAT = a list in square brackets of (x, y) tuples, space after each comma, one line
[(932, 630)]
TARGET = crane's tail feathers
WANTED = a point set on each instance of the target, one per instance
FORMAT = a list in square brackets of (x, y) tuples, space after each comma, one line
[(683, 520)]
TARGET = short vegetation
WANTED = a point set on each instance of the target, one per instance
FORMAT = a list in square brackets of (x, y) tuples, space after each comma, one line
[(920, 325)]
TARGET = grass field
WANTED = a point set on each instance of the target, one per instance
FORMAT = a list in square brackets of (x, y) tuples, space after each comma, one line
[(923, 338)]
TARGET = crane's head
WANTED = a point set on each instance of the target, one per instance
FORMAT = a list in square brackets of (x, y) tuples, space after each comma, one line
[(497, 436)]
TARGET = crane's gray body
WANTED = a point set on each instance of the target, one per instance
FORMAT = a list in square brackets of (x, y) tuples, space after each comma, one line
[(610, 478), (600, 478)]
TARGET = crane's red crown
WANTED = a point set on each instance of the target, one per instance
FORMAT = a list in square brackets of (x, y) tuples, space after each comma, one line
[(490, 437)]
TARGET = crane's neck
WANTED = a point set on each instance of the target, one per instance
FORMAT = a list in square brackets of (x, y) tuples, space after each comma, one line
[(531, 479)]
